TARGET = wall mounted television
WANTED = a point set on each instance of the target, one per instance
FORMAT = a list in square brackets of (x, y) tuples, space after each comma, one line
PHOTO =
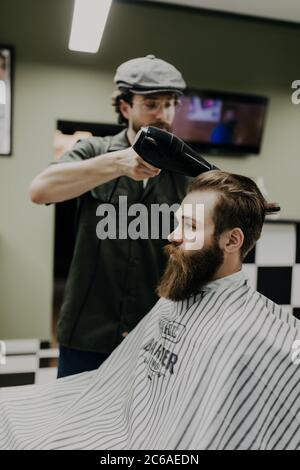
[(221, 123)]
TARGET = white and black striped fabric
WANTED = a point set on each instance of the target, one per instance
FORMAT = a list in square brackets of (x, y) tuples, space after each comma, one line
[(212, 372)]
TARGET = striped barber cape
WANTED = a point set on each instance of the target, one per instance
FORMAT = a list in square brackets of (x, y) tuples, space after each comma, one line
[(216, 371)]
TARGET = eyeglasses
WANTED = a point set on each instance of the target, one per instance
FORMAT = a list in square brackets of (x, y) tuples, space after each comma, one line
[(153, 106)]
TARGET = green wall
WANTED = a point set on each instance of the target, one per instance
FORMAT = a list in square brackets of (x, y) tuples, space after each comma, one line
[(53, 83)]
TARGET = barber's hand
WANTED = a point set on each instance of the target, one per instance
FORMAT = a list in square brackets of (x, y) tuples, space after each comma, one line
[(130, 164)]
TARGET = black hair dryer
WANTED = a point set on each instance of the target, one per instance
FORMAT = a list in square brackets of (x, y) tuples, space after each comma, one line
[(166, 151)]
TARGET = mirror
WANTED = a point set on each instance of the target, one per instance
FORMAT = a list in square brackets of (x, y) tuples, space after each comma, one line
[(5, 100)]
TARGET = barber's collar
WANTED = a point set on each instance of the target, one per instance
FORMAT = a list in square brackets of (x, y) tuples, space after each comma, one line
[(119, 141)]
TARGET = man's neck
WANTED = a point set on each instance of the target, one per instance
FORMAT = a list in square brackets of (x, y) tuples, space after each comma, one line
[(224, 271), (131, 135)]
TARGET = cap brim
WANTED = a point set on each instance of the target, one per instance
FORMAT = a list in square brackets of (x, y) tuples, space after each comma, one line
[(147, 91), (151, 92)]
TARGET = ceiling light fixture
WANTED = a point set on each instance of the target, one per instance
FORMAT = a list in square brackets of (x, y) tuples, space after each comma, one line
[(89, 19)]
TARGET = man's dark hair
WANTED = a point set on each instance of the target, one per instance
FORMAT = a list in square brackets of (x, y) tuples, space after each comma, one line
[(240, 204), (119, 95)]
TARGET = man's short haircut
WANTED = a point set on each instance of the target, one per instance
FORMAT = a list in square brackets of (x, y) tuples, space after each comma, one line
[(240, 203), (119, 95)]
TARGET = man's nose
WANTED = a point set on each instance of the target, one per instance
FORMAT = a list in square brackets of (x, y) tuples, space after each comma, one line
[(162, 113), (176, 236)]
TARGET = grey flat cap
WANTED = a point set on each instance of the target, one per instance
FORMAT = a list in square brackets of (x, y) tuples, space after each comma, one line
[(149, 75)]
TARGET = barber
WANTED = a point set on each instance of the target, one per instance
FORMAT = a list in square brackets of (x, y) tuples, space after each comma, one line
[(111, 282)]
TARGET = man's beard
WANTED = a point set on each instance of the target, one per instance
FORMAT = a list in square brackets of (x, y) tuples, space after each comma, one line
[(161, 125), (187, 271)]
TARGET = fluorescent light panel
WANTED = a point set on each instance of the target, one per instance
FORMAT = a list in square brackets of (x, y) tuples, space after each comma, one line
[(89, 18)]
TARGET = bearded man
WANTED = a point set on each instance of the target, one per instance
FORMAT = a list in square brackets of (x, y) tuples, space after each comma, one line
[(211, 366)]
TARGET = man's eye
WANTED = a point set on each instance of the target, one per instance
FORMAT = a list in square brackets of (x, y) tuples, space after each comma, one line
[(151, 105), (189, 225)]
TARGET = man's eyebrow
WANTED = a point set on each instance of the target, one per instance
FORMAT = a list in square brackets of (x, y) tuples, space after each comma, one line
[(185, 217), (150, 97)]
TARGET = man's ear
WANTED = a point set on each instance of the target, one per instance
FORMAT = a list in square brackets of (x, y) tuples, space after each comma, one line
[(124, 109), (233, 240)]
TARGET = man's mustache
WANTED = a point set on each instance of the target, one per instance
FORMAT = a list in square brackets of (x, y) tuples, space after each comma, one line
[(178, 258), (174, 249), (161, 125), (171, 249)]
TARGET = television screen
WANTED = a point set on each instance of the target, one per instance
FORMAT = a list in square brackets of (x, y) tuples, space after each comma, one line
[(217, 122)]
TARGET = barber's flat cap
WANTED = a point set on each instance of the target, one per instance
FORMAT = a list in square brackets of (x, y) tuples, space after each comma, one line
[(149, 75)]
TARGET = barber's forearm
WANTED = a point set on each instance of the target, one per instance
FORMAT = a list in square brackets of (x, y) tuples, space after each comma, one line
[(64, 181)]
